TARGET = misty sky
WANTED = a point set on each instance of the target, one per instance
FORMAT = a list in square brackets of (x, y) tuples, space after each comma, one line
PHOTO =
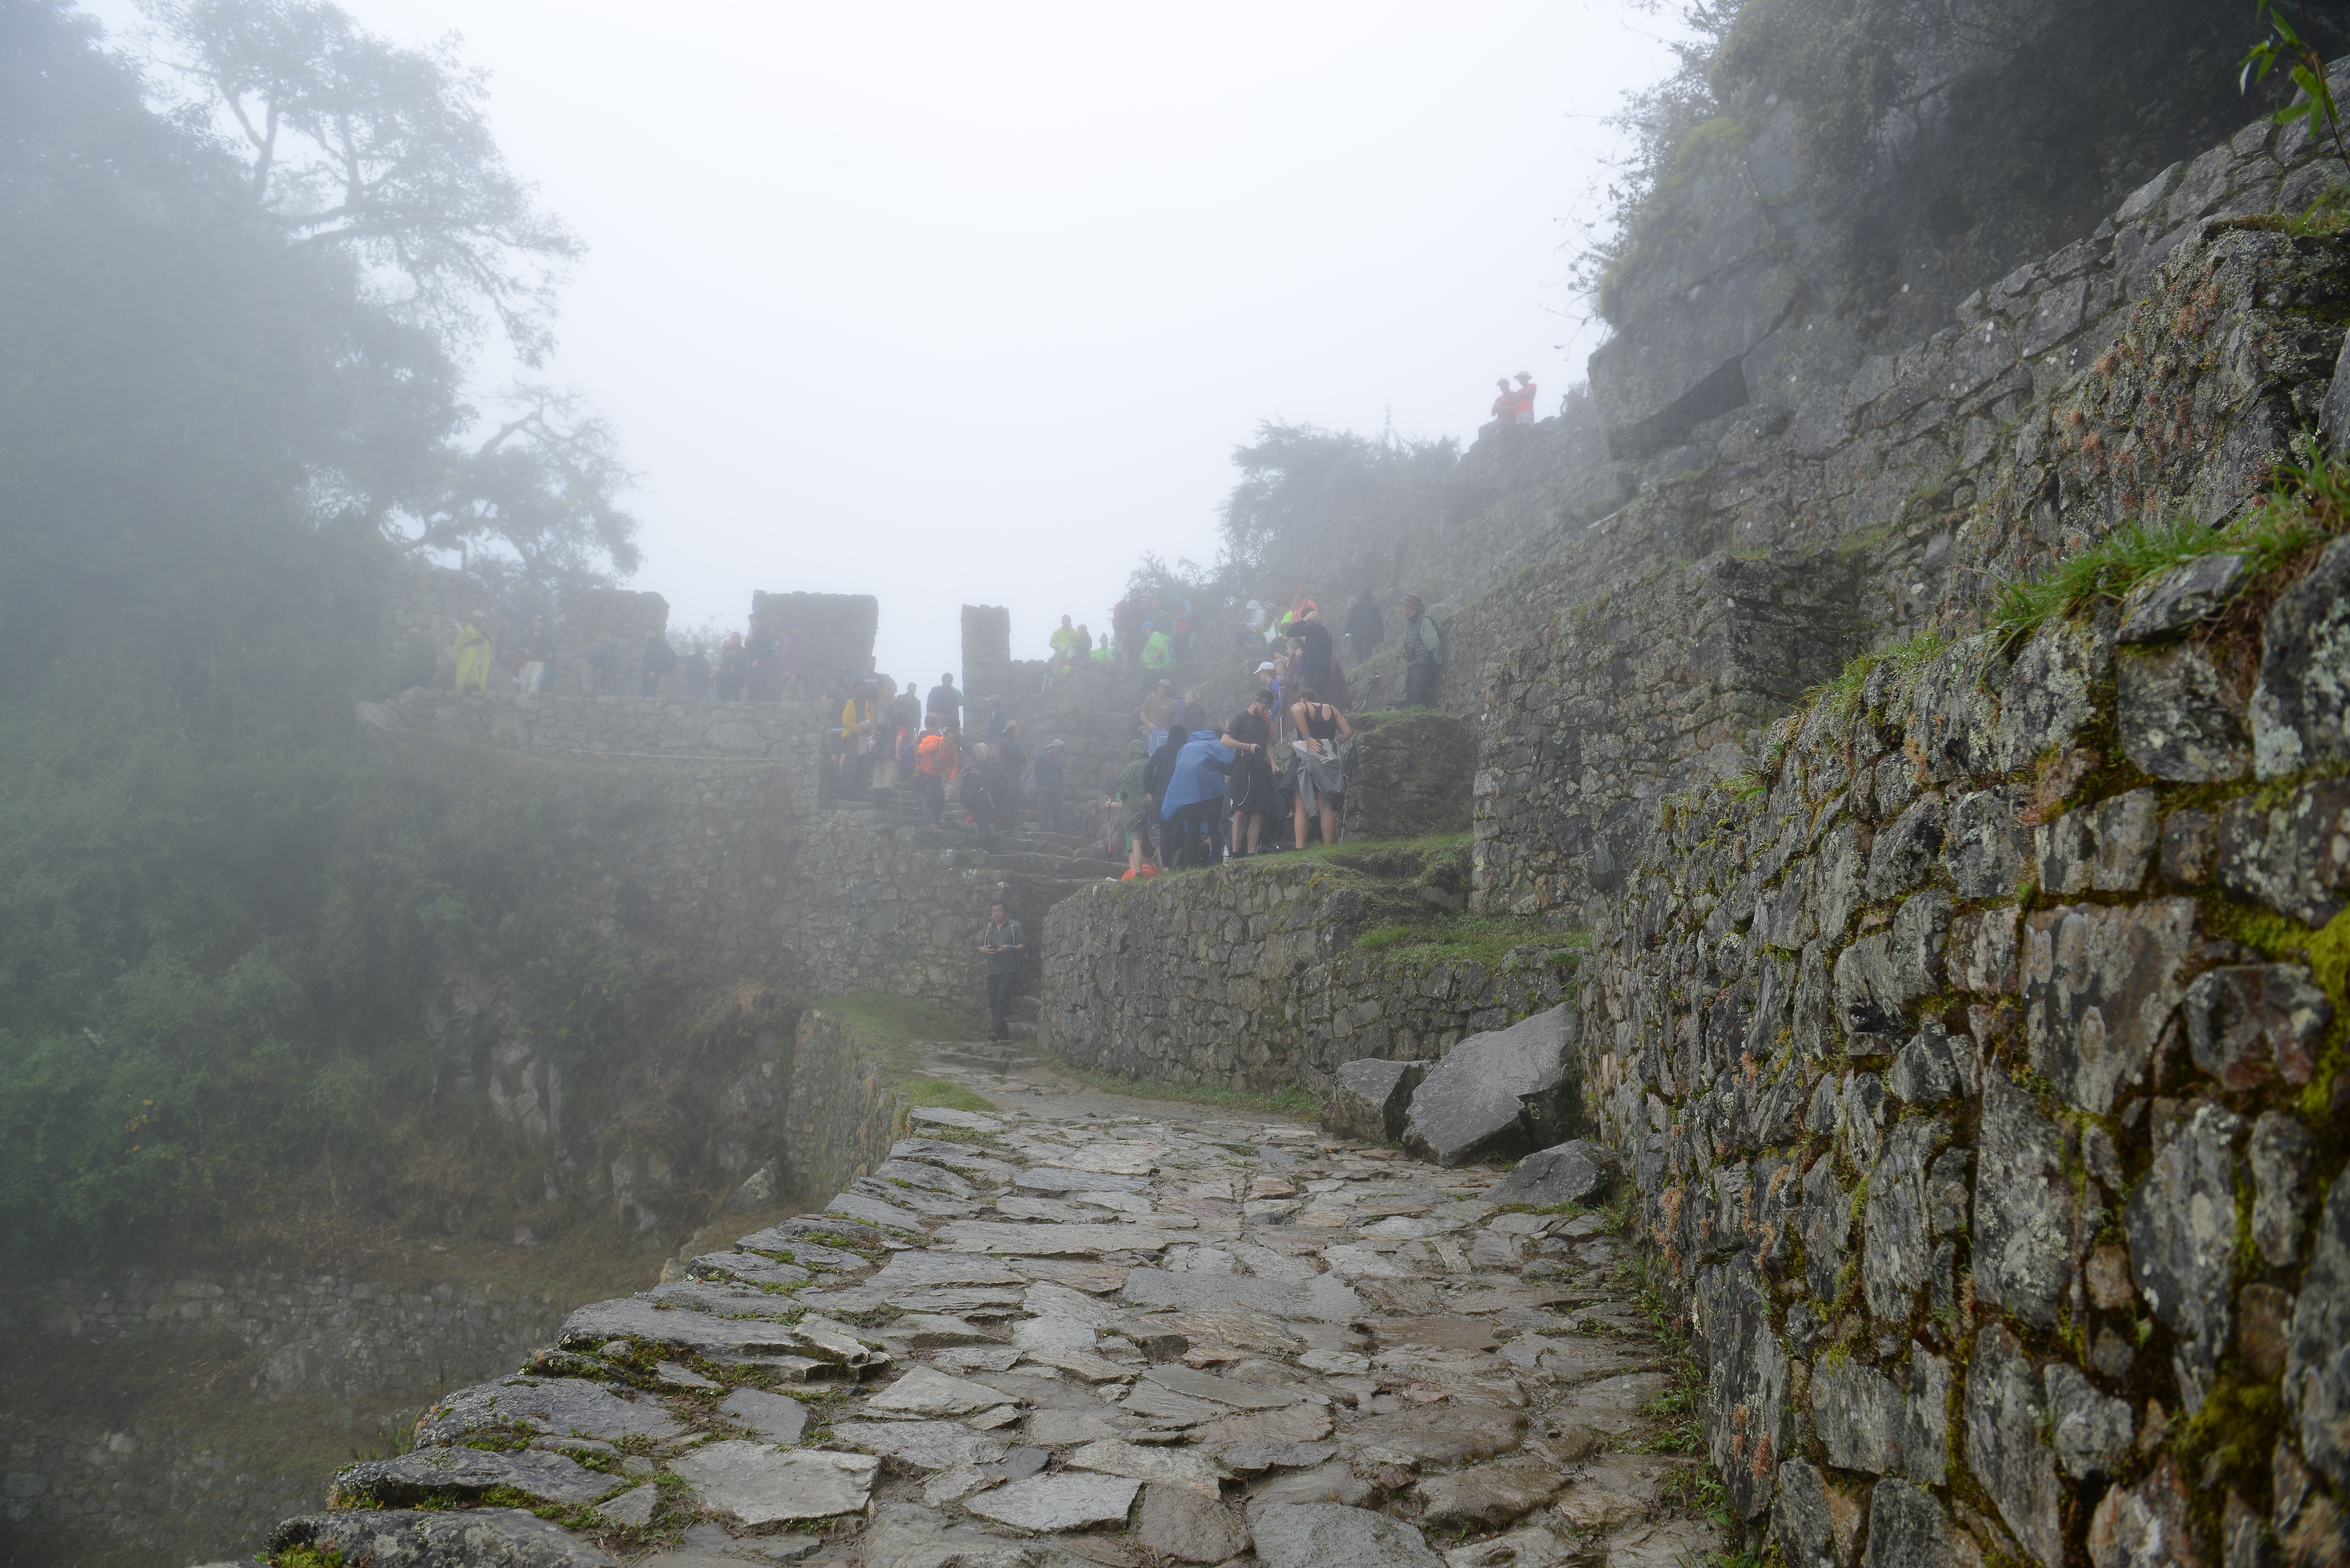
[(961, 303)]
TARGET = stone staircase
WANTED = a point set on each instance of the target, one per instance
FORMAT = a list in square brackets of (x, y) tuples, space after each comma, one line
[(1038, 869)]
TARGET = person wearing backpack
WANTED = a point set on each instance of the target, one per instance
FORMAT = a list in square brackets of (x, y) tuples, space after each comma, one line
[(1424, 654)]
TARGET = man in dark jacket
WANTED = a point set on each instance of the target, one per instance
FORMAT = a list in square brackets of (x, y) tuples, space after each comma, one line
[(1002, 944)]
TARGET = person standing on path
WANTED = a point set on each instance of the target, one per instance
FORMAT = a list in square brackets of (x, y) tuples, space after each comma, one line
[(1424, 654), (937, 760), (945, 701), (1321, 774), (1522, 401), (1250, 786), (473, 654), (1003, 943)]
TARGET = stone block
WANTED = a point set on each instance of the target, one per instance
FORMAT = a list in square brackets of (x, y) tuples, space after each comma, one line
[(1896, 1246), (1905, 850), (1908, 1529), (2279, 1152), (1331, 1535), (2005, 1449), (1826, 1223), (1370, 1099), (1982, 951), (1879, 977), (2171, 601), (2317, 1357), (2105, 848), (2026, 1216), (2247, 1024), (2091, 1431), (2298, 707), (1575, 1171), (2099, 985), (1858, 1413), (2292, 857), (1496, 1092), (2050, 696), (1987, 852), (2183, 1237), (1814, 1523), (2179, 716)]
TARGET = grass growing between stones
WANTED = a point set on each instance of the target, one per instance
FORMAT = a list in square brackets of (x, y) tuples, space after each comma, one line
[(890, 1026), (1468, 938), (2306, 506)]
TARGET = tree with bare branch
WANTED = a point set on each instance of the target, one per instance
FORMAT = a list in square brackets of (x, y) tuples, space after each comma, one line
[(350, 142)]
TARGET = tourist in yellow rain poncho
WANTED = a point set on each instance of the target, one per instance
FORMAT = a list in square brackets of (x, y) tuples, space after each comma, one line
[(472, 656)]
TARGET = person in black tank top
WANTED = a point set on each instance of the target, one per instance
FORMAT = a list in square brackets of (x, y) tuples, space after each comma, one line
[(1321, 774)]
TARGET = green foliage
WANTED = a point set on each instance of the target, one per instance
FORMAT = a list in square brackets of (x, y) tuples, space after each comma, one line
[(945, 1096), (1483, 940), (2305, 505), (1304, 489), (2305, 64)]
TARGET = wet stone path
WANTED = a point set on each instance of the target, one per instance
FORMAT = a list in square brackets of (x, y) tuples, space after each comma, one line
[(1083, 1330)]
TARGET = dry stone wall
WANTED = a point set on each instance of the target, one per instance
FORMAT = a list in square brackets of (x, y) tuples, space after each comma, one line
[(1982, 1079), (1247, 975), (2163, 365)]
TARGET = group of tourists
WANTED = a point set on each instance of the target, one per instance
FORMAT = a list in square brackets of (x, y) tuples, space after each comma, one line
[(919, 740), (762, 665), (1274, 775)]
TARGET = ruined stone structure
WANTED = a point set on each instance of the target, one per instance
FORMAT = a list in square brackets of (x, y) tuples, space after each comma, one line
[(1248, 976), (836, 633), (1969, 1030)]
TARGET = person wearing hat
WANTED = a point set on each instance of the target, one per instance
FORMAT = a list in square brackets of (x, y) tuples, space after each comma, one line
[(1047, 771), (996, 719), (1424, 654), (1505, 406), (1523, 399)]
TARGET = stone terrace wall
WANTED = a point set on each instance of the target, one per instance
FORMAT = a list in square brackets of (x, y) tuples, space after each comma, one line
[(324, 1338), (1981, 1086), (1245, 975), (2065, 410), (732, 852), (69, 1482), (617, 727), (1619, 703), (839, 1120)]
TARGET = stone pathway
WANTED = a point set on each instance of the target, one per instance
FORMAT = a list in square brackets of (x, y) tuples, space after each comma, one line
[(1085, 1330)]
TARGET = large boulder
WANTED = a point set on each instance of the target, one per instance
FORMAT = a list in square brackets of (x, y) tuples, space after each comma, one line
[(1575, 1171), (1498, 1094), (1370, 1099)]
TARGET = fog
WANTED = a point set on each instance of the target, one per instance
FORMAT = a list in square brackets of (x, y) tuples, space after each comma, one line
[(954, 305)]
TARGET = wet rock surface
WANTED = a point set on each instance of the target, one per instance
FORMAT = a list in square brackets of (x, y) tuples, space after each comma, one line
[(1192, 1336)]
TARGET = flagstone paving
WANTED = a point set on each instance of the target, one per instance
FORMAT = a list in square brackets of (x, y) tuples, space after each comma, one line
[(1087, 1329)]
